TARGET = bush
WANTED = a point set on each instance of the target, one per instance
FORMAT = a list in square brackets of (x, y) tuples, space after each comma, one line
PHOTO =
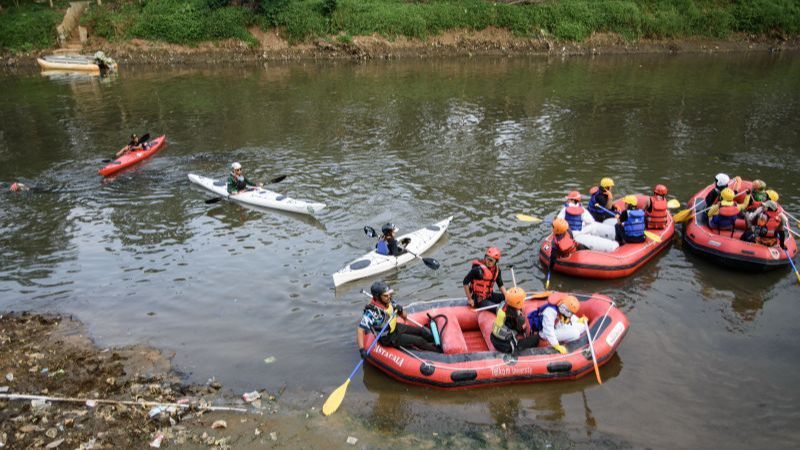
[(191, 22), (29, 27)]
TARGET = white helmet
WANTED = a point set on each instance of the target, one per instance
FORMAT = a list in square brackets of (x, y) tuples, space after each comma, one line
[(722, 179), (236, 166)]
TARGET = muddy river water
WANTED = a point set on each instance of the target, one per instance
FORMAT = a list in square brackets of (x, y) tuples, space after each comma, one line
[(711, 359)]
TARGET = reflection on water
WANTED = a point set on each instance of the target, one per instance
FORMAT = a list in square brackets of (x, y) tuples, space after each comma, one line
[(142, 258)]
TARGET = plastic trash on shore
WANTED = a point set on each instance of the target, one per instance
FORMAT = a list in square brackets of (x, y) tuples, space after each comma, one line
[(251, 396), (156, 443)]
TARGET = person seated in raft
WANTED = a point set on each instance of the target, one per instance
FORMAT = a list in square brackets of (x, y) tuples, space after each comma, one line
[(387, 244), (510, 332), (481, 278), (574, 213), (721, 181), (134, 145), (767, 225), (238, 182), (655, 209), (630, 224), (382, 308), (563, 244), (557, 322), (602, 196), (758, 195), (722, 215)]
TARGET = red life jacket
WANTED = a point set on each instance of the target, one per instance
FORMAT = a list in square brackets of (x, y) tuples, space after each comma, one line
[(766, 226), (656, 216), (565, 244), (482, 287)]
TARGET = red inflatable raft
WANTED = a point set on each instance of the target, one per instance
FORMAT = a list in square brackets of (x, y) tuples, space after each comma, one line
[(469, 359), (620, 263), (131, 158), (728, 249)]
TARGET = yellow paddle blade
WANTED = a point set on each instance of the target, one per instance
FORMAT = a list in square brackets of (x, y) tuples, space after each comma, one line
[(652, 236), (335, 399), (527, 218), (682, 216), (674, 203)]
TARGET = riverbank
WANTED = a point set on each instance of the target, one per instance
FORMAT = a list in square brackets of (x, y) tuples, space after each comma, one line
[(132, 398), (489, 42)]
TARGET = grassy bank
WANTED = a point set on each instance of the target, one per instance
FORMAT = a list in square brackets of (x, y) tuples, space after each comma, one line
[(190, 22)]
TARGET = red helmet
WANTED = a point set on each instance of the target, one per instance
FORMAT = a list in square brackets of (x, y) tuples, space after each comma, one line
[(660, 189), (493, 252), (574, 195)]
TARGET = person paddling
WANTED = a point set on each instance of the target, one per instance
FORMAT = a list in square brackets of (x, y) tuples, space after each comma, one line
[(238, 182), (134, 144), (387, 244), (557, 321), (481, 278), (602, 195), (383, 308), (631, 223), (510, 332)]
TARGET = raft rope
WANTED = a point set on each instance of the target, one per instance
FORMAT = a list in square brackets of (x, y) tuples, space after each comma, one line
[(547, 358)]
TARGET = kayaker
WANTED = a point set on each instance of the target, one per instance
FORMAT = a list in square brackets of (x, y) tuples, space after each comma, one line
[(382, 308), (721, 181), (574, 213), (133, 145), (602, 195), (481, 278), (767, 225), (557, 321), (655, 208), (238, 182), (722, 215), (630, 223), (387, 244), (510, 332)]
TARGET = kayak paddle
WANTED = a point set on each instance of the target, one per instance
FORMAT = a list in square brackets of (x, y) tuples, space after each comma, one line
[(277, 179), (145, 137), (431, 263), (336, 397)]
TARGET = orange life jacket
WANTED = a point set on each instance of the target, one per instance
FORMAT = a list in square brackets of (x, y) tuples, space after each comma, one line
[(565, 244), (766, 226), (656, 217), (482, 287)]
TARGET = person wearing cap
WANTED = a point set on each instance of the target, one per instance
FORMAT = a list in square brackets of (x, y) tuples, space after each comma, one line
[(133, 145), (481, 278), (574, 213), (557, 321), (721, 181), (767, 225), (722, 215), (510, 332), (631, 223), (387, 244), (602, 196), (382, 308), (238, 182)]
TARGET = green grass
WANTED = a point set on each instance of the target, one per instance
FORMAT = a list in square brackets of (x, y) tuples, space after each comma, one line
[(29, 27), (193, 21)]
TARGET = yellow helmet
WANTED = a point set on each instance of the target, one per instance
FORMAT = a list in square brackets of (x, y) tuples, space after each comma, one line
[(772, 195), (727, 194), (631, 200), (515, 297), (606, 183)]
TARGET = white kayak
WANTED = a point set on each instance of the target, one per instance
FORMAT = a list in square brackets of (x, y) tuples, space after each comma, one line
[(258, 197), (374, 263)]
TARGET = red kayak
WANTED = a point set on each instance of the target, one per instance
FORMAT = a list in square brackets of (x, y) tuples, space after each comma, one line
[(151, 147), (469, 359), (727, 248), (619, 263)]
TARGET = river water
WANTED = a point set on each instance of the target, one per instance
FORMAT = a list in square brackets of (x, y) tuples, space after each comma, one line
[(711, 358)]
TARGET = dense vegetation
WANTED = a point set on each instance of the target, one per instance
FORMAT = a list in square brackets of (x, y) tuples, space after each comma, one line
[(192, 21)]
